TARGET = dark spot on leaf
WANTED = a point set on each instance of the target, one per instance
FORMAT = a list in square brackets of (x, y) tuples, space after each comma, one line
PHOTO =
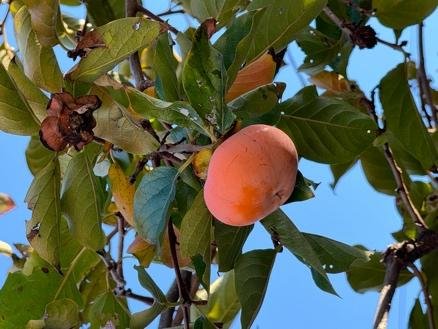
[(264, 96), (45, 270)]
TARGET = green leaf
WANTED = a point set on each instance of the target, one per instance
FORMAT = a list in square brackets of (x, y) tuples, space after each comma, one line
[(44, 15), (291, 17), (281, 228), (257, 102), (377, 170), (417, 319), (117, 126), (43, 198), (152, 200), (141, 320), (37, 155), (35, 100), (62, 314), (430, 272), (339, 170), (234, 43), (179, 113), (252, 273), (23, 298), (398, 14), (324, 129), (104, 11), (229, 241), (17, 117), (322, 50), (148, 283), (121, 38), (222, 10), (369, 275), (223, 303), (108, 308), (82, 198), (202, 270), (204, 79), (39, 61), (403, 119), (165, 65), (335, 256), (303, 189)]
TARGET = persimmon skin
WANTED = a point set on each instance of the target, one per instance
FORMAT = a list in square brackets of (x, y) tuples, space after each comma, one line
[(250, 175)]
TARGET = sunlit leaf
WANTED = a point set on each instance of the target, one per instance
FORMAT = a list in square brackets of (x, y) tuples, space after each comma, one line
[(43, 198), (6, 203), (61, 314), (109, 308), (123, 192), (39, 61), (82, 198), (44, 15), (119, 38)]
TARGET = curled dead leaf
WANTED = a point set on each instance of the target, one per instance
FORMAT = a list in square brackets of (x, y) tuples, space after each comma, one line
[(86, 43), (6, 203)]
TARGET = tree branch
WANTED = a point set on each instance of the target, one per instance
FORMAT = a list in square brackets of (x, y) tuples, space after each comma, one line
[(402, 190), (157, 18), (426, 294), (425, 90), (398, 257), (182, 289), (121, 230)]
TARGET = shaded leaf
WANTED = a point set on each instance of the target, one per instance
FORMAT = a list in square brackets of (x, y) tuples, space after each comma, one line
[(325, 130), (82, 198), (292, 16), (123, 192), (142, 319), (104, 11), (430, 272), (44, 229), (252, 272), (403, 119), (369, 275), (119, 128), (377, 171), (398, 14), (335, 256), (152, 200), (61, 314), (303, 189), (417, 319), (39, 61), (121, 38), (108, 308), (282, 229), (142, 250), (37, 155), (204, 79), (229, 241), (148, 283), (339, 170)]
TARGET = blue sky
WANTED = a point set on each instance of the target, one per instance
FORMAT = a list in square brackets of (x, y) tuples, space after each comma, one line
[(354, 213)]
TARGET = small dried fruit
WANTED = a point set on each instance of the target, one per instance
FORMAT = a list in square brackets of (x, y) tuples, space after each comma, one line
[(69, 121)]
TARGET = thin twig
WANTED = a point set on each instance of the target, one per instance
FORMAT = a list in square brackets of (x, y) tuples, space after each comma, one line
[(422, 76), (179, 279), (111, 234), (171, 12), (121, 231), (157, 18), (147, 300), (426, 294), (141, 82), (396, 46), (402, 190)]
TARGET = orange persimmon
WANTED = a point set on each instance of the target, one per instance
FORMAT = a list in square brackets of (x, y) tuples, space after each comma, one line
[(250, 175)]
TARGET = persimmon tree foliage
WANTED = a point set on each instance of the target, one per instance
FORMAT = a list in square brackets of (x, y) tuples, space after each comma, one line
[(122, 140)]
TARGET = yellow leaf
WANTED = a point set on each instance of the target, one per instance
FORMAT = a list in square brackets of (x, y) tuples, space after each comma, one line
[(201, 161), (331, 81), (256, 74), (123, 192), (6, 203), (142, 250)]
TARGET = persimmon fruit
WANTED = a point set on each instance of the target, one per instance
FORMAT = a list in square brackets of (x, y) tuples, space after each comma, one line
[(250, 175)]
